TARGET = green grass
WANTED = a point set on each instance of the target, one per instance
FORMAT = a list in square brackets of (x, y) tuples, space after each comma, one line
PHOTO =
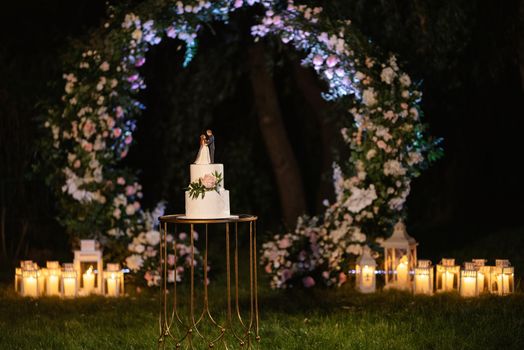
[(293, 319)]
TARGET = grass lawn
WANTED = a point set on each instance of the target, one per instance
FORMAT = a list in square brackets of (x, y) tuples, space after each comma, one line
[(294, 319)]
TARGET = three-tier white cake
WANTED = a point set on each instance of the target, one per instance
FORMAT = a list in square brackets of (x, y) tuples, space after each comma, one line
[(215, 203)]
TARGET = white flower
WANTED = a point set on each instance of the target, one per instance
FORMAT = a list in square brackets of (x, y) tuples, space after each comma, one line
[(117, 213), (104, 67), (396, 203), (387, 75), (369, 97), (414, 112), (134, 262), (415, 158), (371, 153), (153, 237), (394, 168), (360, 198), (130, 209), (360, 76), (405, 80)]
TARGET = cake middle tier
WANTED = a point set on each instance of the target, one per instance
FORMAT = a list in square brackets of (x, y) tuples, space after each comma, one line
[(196, 171), (213, 206)]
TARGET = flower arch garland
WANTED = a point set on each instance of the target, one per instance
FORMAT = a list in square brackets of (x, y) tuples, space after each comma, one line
[(91, 130)]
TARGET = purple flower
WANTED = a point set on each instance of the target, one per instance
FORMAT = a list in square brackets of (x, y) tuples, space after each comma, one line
[(332, 61), (318, 60), (308, 281)]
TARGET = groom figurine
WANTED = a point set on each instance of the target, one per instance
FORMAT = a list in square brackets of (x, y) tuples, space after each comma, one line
[(210, 141)]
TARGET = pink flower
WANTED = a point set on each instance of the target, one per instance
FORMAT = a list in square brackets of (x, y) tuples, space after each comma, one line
[(89, 128), (308, 281), (342, 278), (136, 205), (318, 60), (119, 112), (148, 276), (171, 32), (238, 3), (267, 268), (325, 275), (286, 274), (121, 181), (381, 144), (332, 61), (110, 122), (404, 105), (284, 243), (209, 181), (128, 139), (88, 147), (117, 132), (171, 259), (105, 134), (140, 62), (123, 154), (132, 78), (77, 164), (182, 236), (130, 190)]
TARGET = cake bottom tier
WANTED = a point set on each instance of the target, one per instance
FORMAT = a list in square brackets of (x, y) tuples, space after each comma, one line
[(213, 206)]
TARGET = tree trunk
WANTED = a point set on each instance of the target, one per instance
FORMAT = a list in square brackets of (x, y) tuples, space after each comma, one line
[(285, 166), (308, 85), (520, 38)]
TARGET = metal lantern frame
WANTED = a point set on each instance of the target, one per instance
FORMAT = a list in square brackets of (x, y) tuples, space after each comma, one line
[(365, 272), (445, 269), (469, 286), (89, 255), (400, 246), (114, 273), (423, 269), (70, 273), (483, 275), (502, 278)]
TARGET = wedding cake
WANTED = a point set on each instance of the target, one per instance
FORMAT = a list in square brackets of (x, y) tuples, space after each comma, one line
[(206, 197)]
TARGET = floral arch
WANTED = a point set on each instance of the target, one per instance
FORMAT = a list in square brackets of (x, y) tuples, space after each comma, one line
[(91, 130)]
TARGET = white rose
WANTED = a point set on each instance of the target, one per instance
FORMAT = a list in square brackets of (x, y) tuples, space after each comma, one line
[(153, 237), (387, 75), (104, 67), (371, 153), (134, 262), (369, 97), (405, 80), (130, 209)]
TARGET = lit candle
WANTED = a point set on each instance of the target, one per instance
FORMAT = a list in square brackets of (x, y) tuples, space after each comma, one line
[(112, 286), (52, 285), (89, 280), (503, 284), (422, 283), (402, 272), (69, 286), (468, 286), (448, 278), (30, 286), (367, 276), (480, 281)]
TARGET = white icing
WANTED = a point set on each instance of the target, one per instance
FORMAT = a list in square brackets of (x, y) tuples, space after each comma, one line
[(213, 206)]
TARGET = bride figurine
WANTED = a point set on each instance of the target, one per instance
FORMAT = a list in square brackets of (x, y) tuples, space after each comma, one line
[(203, 154)]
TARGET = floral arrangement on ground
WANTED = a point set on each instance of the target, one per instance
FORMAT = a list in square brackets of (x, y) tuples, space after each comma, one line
[(90, 130)]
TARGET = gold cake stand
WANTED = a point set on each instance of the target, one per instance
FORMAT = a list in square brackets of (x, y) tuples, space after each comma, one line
[(186, 331)]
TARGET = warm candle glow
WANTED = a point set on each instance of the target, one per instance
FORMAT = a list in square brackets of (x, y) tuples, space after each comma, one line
[(30, 286), (112, 285), (53, 285), (503, 284), (402, 272), (69, 286), (447, 280), (368, 273), (89, 280), (468, 286)]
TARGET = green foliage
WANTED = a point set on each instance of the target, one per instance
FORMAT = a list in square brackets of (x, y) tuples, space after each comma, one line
[(197, 188), (337, 319)]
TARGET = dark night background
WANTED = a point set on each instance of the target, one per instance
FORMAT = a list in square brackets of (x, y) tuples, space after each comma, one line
[(467, 53)]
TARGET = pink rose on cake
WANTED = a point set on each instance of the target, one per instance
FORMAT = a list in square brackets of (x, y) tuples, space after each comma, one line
[(209, 181)]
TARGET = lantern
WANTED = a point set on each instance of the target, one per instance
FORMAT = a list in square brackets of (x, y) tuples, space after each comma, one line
[(18, 280), (501, 279), (400, 258), (447, 276), (41, 273), (30, 281), (365, 272), (69, 281), (52, 282), (469, 280), (89, 265), (423, 278), (113, 281), (483, 275)]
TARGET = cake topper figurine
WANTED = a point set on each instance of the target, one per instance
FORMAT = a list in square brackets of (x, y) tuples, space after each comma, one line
[(203, 152), (210, 141)]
